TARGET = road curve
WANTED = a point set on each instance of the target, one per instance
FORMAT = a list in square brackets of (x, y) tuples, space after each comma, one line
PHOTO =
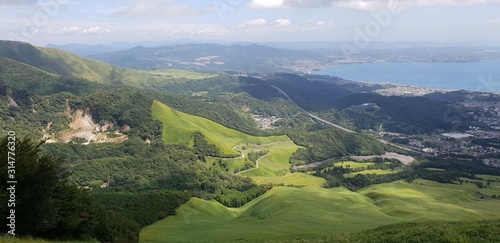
[(256, 165), (311, 115)]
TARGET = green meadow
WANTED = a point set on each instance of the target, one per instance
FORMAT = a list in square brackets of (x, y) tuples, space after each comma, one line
[(273, 168), (469, 186), (303, 209), (291, 179), (181, 74), (286, 213), (353, 165), (178, 128)]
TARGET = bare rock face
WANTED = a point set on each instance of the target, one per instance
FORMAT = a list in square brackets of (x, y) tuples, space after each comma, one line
[(84, 127), (265, 123)]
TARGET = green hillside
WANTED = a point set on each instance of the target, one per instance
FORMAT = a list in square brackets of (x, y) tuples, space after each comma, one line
[(56, 61), (67, 64), (178, 127), (433, 231), (273, 167), (26, 78), (286, 213)]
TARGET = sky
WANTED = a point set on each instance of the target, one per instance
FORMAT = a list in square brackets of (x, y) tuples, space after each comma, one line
[(43, 22)]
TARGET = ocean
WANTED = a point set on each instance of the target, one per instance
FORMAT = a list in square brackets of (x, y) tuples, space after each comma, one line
[(475, 76)]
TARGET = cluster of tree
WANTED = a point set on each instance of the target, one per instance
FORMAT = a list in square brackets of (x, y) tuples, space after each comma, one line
[(202, 147), (255, 155), (45, 205), (322, 143), (427, 115), (310, 95), (143, 207), (471, 167), (234, 198), (135, 165), (452, 171)]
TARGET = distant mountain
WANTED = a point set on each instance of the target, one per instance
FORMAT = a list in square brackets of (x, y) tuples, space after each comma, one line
[(56, 61), (85, 50), (67, 64), (210, 57)]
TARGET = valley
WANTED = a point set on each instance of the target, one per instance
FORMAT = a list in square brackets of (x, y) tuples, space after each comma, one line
[(156, 154)]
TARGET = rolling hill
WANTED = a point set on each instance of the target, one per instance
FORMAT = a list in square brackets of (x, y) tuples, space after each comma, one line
[(287, 213), (67, 64), (178, 127), (274, 167), (57, 62)]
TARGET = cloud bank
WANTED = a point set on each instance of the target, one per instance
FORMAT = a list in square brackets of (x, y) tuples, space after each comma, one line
[(363, 5)]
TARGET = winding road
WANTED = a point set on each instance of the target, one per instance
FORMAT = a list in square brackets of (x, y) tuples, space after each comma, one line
[(316, 118), (256, 165), (310, 114)]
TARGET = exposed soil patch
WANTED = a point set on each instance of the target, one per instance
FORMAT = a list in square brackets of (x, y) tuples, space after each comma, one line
[(403, 158), (84, 127)]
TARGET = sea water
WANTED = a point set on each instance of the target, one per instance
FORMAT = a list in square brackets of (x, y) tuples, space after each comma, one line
[(482, 75)]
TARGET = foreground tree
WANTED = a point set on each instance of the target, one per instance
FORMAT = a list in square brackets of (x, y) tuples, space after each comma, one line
[(46, 205)]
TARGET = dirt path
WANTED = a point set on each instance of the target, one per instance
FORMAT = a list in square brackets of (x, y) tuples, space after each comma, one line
[(256, 165), (242, 155)]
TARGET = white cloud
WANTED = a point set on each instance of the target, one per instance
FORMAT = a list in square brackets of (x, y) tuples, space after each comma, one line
[(78, 30), (283, 22), (363, 5), (18, 2), (253, 23), (96, 30), (267, 3), (71, 30), (162, 9)]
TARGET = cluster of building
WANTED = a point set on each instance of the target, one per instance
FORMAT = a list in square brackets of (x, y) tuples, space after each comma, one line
[(485, 112), (453, 145)]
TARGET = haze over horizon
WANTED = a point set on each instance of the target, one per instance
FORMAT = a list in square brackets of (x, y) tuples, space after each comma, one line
[(95, 22)]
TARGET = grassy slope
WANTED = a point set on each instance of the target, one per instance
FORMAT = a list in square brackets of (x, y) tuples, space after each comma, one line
[(178, 127), (434, 231), (354, 165), (180, 75), (286, 213), (65, 63), (73, 65), (76, 66)]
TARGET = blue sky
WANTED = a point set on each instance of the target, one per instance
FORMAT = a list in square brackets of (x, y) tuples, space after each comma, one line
[(105, 21)]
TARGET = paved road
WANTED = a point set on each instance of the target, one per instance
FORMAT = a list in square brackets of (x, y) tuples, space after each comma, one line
[(311, 115)]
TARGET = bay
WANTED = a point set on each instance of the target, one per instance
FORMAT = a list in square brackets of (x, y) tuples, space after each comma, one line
[(482, 75)]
